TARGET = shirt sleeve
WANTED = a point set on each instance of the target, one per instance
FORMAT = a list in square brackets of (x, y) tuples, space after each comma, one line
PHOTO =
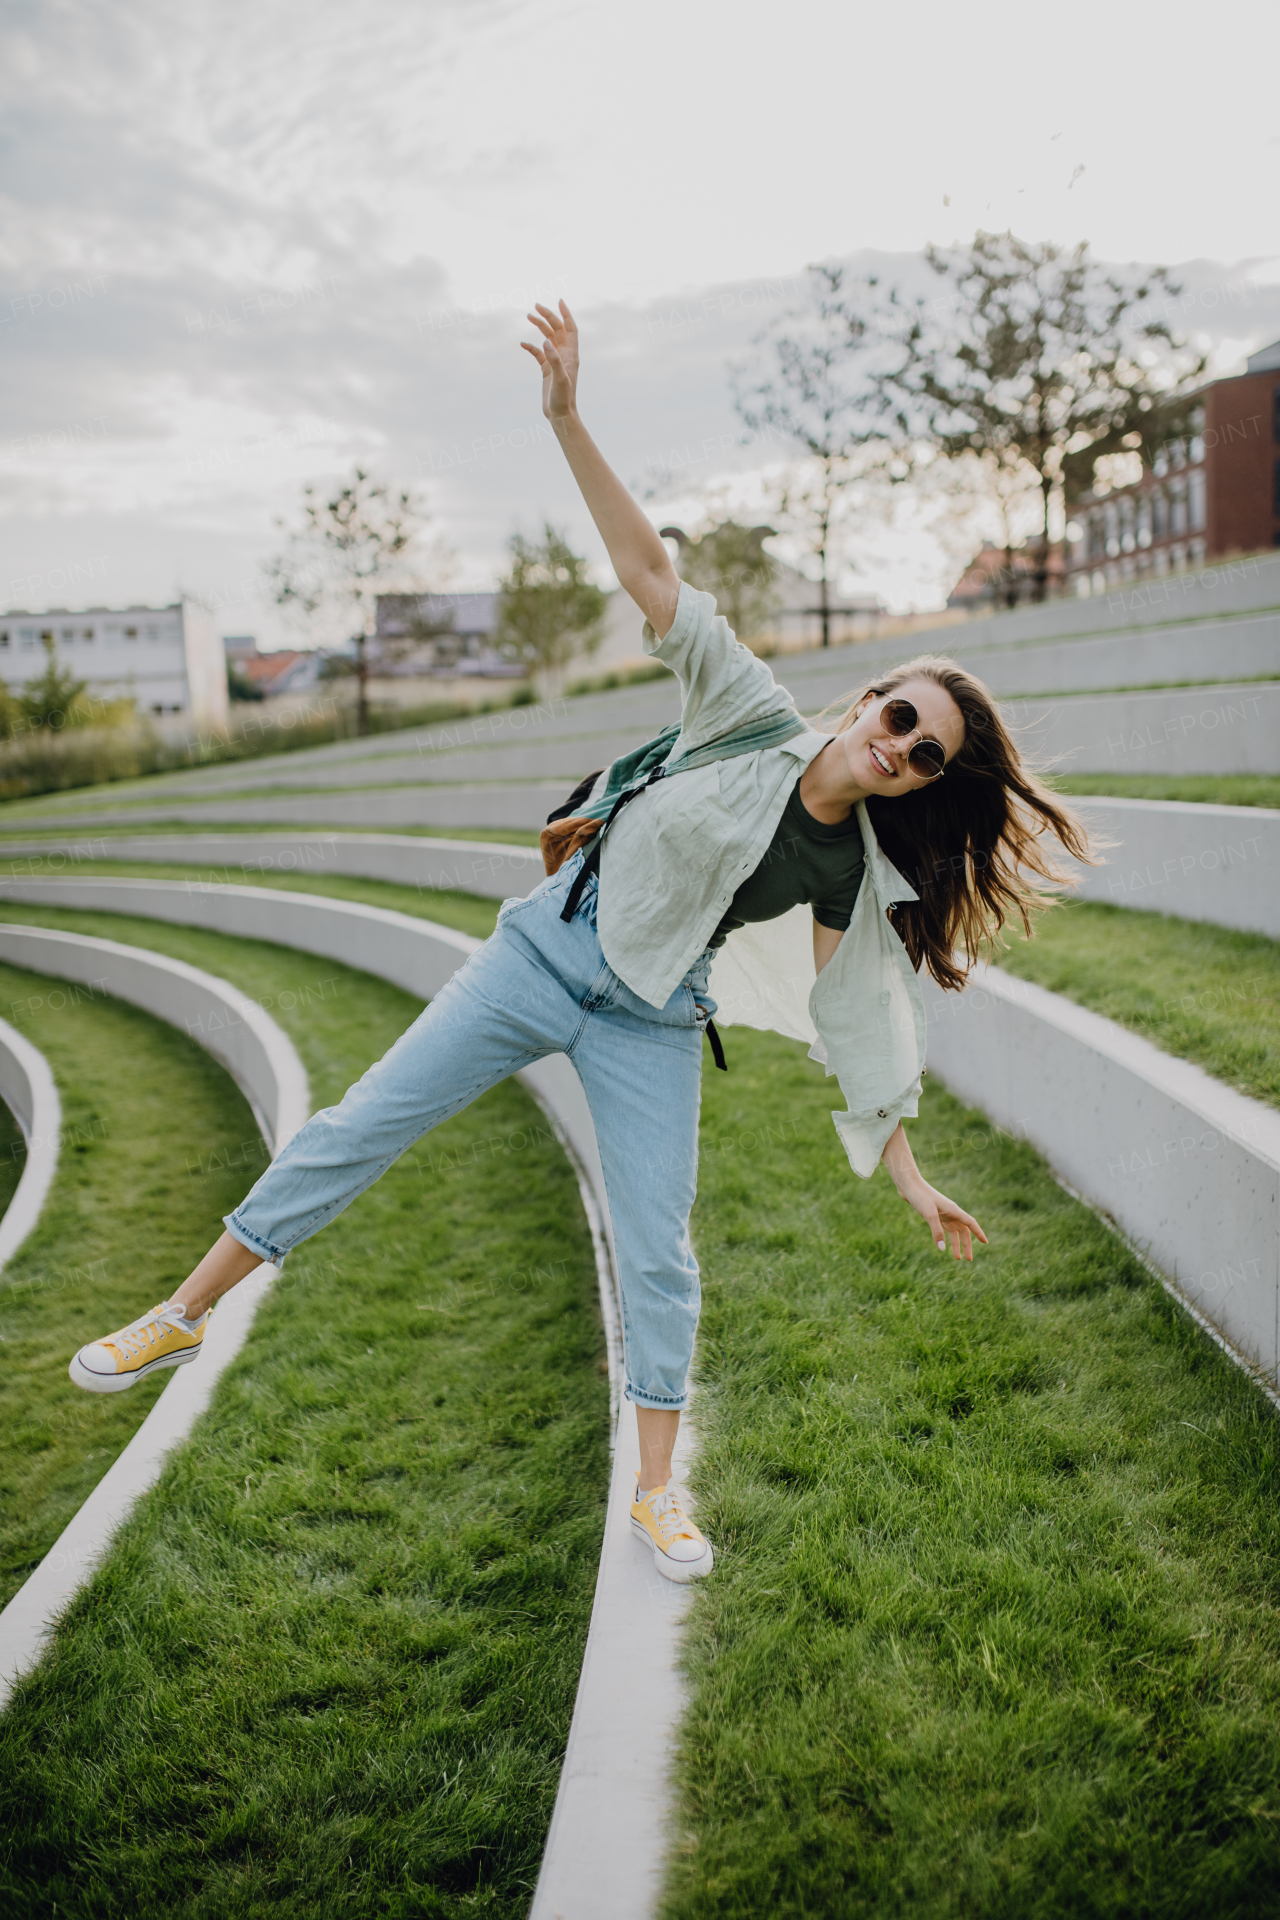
[(722, 683)]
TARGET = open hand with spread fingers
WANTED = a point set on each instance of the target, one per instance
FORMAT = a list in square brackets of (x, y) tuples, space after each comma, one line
[(558, 358)]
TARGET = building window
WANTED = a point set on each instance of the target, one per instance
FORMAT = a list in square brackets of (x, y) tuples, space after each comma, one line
[(1179, 511), (1159, 515), (131, 633), (86, 633), (1126, 525), (1195, 500), (4, 640), (68, 633)]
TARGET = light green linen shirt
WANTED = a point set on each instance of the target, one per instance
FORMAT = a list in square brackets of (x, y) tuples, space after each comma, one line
[(674, 858)]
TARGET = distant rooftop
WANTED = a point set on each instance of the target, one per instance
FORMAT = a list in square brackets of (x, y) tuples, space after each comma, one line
[(1266, 360)]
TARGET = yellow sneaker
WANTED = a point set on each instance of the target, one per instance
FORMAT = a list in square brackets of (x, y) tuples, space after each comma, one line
[(162, 1338), (658, 1518)]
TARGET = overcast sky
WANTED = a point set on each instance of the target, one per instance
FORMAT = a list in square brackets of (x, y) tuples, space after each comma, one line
[(246, 245)]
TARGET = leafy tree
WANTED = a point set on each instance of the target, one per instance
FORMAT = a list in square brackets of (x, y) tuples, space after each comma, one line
[(1041, 365), (57, 699), (363, 540), (240, 686), (548, 611), (818, 384), (729, 561)]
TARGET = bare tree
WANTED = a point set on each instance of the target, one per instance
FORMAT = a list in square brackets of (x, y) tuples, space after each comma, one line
[(361, 541), (818, 383), (1039, 366)]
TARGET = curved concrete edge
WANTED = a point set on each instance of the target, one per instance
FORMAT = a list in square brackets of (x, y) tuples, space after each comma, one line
[(30, 1092), (1229, 728), (1202, 862), (1196, 861), (1187, 1168), (262, 1060), (488, 868), (607, 1843), (239, 1034)]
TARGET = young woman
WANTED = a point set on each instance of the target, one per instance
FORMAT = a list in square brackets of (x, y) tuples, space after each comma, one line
[(757, 815)]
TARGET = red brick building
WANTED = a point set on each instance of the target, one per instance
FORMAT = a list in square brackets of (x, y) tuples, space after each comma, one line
[(1217, 494)]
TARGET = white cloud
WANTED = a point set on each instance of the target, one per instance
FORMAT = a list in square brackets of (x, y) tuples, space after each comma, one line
[(305, 234)]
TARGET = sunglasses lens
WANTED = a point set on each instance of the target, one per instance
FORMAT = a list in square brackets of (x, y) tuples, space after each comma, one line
[(899, 717), (926, 758)]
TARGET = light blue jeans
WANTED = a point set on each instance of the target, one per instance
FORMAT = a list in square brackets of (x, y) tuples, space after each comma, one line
[(539, 985)]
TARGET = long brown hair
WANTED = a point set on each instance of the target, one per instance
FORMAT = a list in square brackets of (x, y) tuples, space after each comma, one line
[(972, 843)]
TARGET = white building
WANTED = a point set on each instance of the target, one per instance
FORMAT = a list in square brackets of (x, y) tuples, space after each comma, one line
[(168, 659)]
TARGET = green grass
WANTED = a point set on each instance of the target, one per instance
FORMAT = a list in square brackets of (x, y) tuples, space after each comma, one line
[(13, 1151), (1201, 992), (1209, 789), (141, 1105), (330, 1663), (995, 1627)]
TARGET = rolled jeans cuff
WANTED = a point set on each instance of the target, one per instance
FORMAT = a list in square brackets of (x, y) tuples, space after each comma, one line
[(275, 1255), (655, 1403)]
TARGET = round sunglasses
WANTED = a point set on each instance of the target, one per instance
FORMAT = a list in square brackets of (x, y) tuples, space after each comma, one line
[(927, 757)]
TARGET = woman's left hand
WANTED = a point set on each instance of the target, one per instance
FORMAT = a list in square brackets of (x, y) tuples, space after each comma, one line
[(945, 1219)]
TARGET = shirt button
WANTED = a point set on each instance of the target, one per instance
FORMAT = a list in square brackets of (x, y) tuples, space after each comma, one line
[(882, 1113)]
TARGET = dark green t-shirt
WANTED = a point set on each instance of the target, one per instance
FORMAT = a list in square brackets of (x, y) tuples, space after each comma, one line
[(806, 863)]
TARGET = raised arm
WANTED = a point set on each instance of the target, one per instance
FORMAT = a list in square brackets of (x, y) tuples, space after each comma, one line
[(640, 560)]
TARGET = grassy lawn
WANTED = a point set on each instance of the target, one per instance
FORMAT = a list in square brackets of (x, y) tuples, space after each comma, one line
[(141, 1106), (12, 1157), (1202, 992), (995, 1627), (329, 1665), (1205, 789)]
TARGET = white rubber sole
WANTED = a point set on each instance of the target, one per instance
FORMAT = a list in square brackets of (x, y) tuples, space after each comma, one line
[(680, 1571), (118, 1382)]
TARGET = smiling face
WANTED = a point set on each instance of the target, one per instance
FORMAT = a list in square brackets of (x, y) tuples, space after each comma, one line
[(877, 759)]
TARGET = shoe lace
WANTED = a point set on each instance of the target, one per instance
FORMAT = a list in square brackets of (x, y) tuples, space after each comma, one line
[(146, 1332), (673, 1522)]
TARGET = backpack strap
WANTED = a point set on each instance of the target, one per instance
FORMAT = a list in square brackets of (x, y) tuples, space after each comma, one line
[(591, 863)]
